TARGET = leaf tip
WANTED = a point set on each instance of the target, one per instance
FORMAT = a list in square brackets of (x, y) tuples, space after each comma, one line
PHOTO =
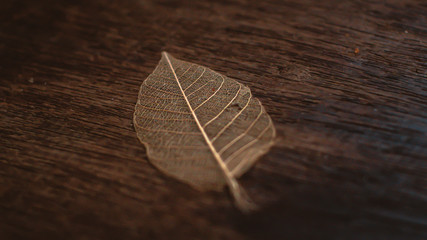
[(164, 53)]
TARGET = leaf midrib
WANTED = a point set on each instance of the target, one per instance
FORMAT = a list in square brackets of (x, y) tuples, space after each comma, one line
[(231, 181)]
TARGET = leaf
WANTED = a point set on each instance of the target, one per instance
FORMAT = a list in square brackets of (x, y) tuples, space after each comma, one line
[(201, 127)]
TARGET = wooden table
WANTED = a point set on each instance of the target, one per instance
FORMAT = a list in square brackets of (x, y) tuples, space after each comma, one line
[(344, 81)]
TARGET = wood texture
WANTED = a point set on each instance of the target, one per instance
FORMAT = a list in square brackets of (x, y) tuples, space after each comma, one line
[(344, 82)]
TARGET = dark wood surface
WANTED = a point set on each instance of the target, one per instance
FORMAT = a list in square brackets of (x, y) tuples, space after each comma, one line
[(344, 81)]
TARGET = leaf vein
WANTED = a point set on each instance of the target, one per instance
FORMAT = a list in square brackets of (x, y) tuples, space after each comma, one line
[(200, 88), (232, 120), (215, 117), (168, 131), (222, 83), (164, 110), (204, 69), (161, 90), (243, 134), (232, 156)]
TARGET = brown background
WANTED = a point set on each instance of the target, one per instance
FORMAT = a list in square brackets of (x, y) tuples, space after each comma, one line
[(344, 81)]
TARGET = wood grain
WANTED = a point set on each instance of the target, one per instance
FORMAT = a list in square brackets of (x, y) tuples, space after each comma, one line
[(344, 81)]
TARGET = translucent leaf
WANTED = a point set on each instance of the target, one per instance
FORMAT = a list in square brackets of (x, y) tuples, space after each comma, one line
[(201, 127)]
